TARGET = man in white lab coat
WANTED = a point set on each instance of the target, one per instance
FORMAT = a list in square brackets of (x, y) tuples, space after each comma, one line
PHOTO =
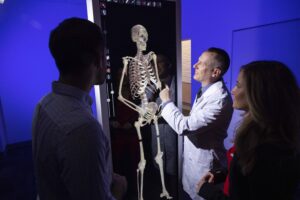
[(205, 128)]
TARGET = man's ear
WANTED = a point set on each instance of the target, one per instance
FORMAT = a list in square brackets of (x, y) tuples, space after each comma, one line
[(216, 72)]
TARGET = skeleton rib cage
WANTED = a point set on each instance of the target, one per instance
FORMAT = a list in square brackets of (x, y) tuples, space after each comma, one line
[(142, 76)]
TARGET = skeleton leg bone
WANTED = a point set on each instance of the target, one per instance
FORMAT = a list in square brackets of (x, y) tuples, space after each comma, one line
[(142, 163), (159, 161)]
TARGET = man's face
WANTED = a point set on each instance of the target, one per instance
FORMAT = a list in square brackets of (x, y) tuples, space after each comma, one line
[(162, 67), (100, 71), (204, 68)]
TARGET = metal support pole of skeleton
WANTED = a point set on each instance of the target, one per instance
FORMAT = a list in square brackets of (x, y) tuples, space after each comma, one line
[(143, 79)]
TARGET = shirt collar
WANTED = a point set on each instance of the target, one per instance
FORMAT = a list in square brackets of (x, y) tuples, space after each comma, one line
[(203, 89), (68, 90)]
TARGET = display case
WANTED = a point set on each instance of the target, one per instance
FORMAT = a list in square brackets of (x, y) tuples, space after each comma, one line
[(140, 67)]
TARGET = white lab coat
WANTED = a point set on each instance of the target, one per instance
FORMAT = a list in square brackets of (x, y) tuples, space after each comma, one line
[(207, 123)]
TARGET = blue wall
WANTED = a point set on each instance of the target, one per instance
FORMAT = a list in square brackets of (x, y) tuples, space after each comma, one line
[(215, 23), (26, 66)]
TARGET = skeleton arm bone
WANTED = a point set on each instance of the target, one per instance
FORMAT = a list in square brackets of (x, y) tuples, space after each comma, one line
[(120, 97), (158, 84)]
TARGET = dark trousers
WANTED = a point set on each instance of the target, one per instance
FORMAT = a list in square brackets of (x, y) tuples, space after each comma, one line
[(185, 196)]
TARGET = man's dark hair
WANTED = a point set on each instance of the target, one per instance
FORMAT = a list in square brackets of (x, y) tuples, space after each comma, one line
[(222, 57), (75, 44)]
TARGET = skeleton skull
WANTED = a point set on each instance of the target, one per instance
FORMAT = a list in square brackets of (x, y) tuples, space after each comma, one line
[(139, 35)]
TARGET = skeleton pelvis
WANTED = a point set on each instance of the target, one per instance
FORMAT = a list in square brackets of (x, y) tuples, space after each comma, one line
[(151, 107), (150, 110)]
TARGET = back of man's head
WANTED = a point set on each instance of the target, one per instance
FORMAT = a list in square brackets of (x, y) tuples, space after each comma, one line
[(221, 57), (75, 44)]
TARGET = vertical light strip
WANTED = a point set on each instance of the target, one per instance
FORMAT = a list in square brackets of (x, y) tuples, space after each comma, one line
[(93, 14), (90, 12)]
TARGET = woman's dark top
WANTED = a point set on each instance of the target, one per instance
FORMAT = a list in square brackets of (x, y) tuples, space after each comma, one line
[(275, 176)]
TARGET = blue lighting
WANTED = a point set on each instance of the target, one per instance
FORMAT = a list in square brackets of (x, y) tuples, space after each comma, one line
[(26, 66)]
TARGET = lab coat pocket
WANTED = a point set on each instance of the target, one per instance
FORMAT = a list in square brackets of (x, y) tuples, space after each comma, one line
[(204, 161)]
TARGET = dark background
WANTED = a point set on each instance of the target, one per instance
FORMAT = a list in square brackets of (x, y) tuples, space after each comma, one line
[(160, 23)]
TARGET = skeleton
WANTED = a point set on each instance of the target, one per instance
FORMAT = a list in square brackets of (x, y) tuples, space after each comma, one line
[(143, 79)]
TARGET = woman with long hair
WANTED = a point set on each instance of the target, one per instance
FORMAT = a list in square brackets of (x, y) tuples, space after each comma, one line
[(266, 160)]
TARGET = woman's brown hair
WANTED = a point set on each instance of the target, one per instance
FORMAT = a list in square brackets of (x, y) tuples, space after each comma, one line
[(273, 117)]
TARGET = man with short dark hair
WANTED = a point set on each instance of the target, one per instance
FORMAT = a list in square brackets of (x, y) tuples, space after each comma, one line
[(70, 150), (205, 128)]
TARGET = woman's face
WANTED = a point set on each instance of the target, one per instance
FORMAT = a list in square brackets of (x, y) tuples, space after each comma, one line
[(239, 93)]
